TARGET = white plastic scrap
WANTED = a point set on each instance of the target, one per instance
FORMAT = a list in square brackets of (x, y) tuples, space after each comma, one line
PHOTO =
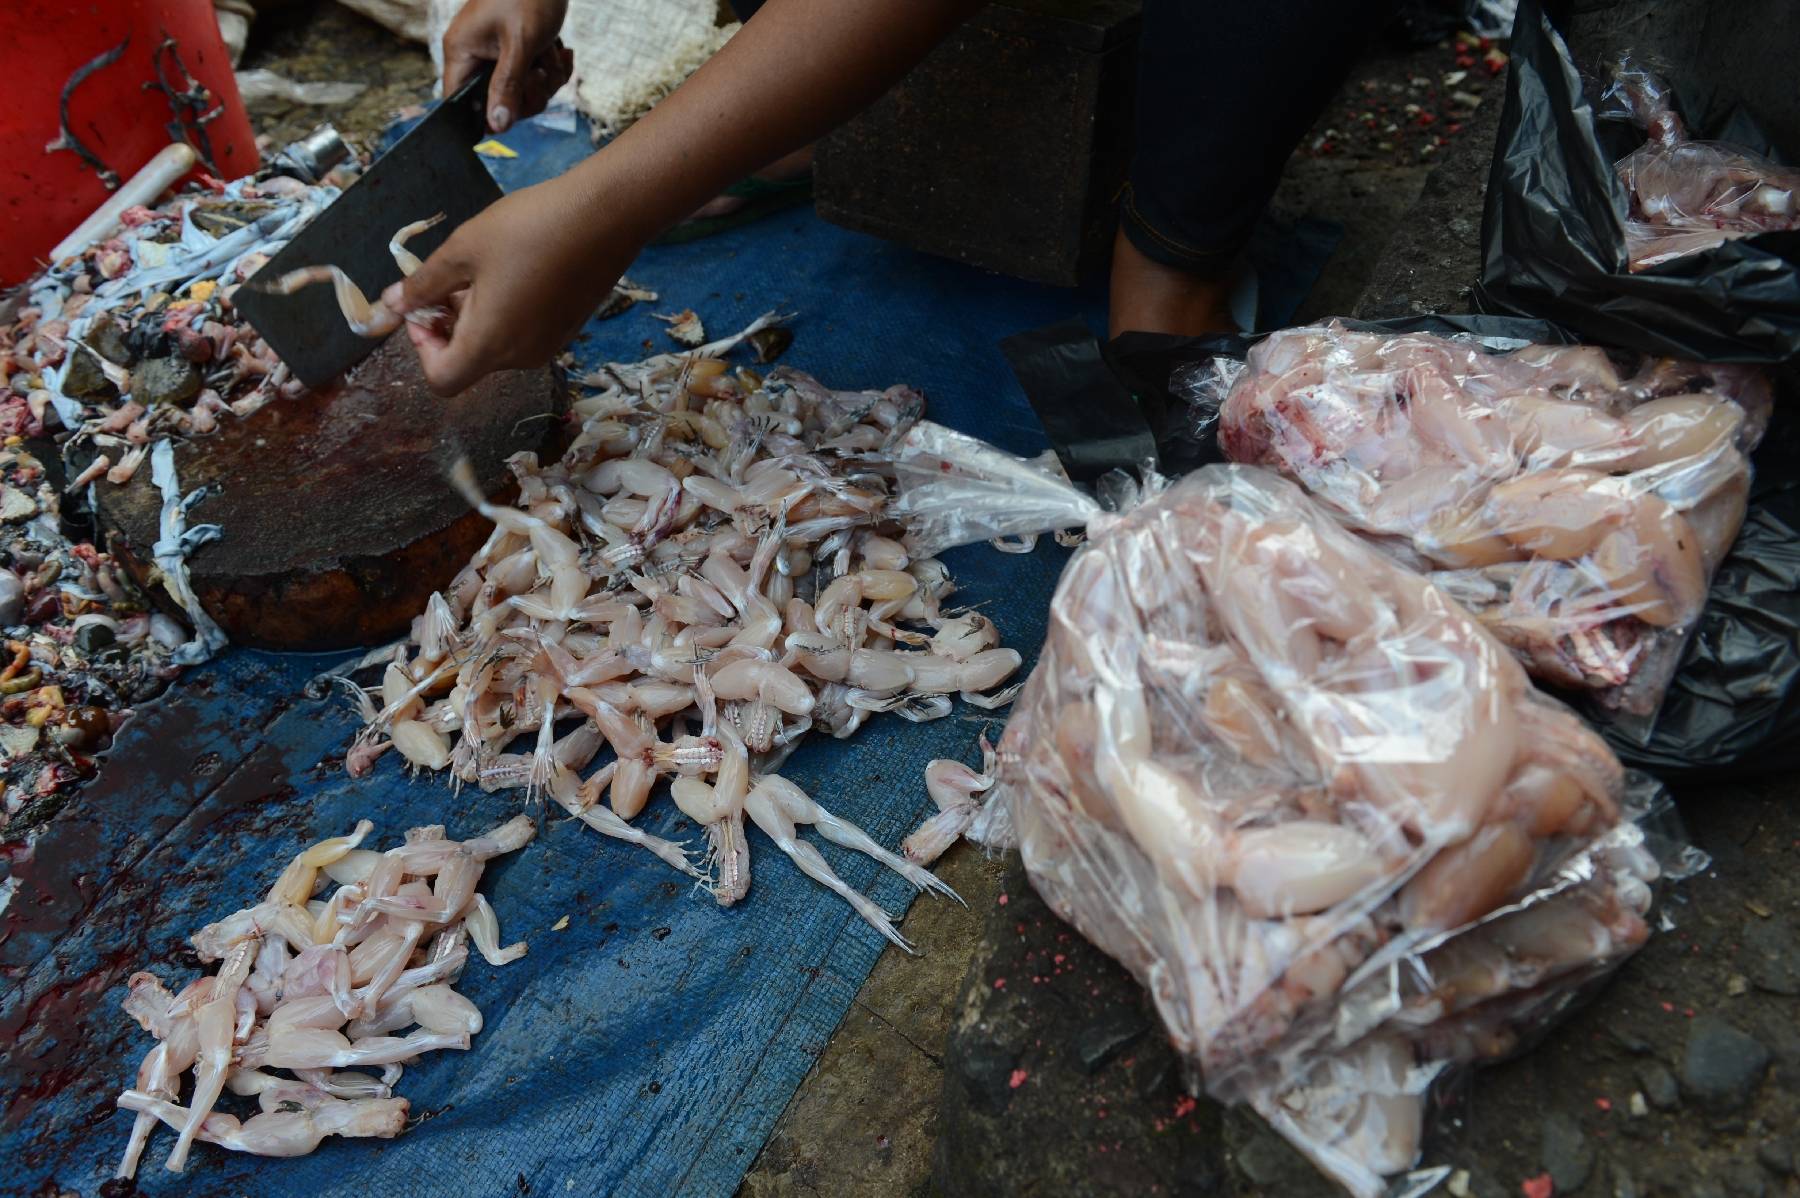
[(67, 410), (991, 493), (256, 85), (558, 118), (207, 255), (171, 553)]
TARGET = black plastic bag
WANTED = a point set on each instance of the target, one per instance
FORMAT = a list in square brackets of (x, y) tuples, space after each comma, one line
[(1108, 407), (1092, 424), (1553, 244), (1733, 709)]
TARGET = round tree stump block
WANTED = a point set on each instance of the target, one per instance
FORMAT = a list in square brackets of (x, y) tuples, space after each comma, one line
[(338, 520)]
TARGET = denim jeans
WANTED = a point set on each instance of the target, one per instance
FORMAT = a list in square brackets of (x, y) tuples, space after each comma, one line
[(1224, 92)]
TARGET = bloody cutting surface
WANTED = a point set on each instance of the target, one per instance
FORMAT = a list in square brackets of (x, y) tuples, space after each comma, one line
[(338, 522)]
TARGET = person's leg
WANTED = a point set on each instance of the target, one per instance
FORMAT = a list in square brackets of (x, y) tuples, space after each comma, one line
[(1148, 296), (1224, 91)]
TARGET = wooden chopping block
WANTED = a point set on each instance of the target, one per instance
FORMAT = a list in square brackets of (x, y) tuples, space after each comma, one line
[(338, 521)]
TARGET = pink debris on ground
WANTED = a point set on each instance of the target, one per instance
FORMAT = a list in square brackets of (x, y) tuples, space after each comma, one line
[(1018, 1078)]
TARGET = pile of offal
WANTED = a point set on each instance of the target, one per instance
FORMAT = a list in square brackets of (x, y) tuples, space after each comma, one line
[(103, 356), (82, 646)]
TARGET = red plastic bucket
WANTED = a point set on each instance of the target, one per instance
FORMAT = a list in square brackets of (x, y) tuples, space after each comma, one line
[(117, 112)]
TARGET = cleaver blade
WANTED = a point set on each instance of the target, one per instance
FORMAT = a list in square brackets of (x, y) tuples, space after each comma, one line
[(433, 168)]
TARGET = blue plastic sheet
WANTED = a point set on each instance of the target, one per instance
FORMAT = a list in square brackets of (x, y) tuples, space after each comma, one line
[(649, 1047)]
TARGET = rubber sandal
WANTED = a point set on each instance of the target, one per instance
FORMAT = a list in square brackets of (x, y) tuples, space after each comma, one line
[(762, 197)]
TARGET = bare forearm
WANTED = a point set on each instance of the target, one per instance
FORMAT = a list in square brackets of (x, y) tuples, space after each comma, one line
[(792, 74)]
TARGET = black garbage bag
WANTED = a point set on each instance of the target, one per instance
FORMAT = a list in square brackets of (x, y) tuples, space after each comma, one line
[(1553, 240), (1091, 421), (1733, 708)]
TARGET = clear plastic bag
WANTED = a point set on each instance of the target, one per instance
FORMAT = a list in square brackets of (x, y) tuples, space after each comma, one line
[(1578, 512), (1357, 1106), (1689, 195), (1309, 802)]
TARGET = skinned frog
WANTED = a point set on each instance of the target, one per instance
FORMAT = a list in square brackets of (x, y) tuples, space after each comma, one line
[(366, 319)]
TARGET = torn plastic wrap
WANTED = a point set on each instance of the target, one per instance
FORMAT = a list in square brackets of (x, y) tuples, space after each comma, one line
[(177, 542), (1313, 806), (1579, 512), (958, 490), (1554, 233)]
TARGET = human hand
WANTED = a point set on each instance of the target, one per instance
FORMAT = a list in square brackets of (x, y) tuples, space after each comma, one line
[(518, 280), (519, 38)]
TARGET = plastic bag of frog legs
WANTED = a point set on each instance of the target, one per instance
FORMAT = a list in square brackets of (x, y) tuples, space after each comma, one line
[(1581, 227), (1733, 706), (1579, 511), (1307, 799), (1585, 506)]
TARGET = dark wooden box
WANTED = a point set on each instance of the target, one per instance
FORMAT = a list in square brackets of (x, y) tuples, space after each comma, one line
[(1005, 148)]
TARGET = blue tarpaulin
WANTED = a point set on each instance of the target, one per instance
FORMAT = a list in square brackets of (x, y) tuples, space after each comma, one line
[(649, 1047)]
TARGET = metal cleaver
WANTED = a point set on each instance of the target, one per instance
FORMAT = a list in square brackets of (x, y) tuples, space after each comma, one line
[(432, 169)]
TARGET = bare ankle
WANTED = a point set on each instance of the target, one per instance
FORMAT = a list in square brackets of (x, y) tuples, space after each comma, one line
[(1150, 297)]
